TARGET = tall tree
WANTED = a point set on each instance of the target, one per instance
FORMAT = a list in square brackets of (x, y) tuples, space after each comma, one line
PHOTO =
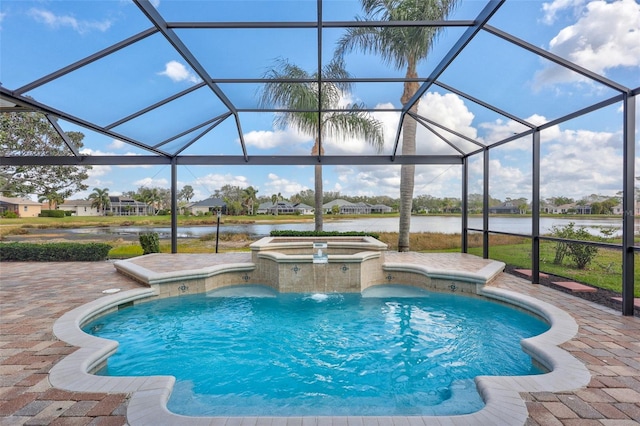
[(305, 196), (52, 198), (250, 199), (186, 193), (31, 134), (560, 200), (100, 199), (304, 96), (403, 48), (151, 197)]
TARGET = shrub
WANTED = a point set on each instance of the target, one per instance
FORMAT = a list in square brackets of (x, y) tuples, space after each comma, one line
[(150, 242), (52, 213), (53, 252), (581, 254), (10, 215), (562, 248), (290, 233)]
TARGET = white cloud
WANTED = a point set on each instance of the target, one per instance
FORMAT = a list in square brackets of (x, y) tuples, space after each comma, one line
[(152, 183), (552, 9), (436, 180), (98, 177), (116, 144), (95, 152), (178, 72), (98, 171), (450, 111), (207, 184), (574, 163), (59, 21), (509, 181), (499, 130), (264, 139), (363, 179), (605, 36), (580, 159), (276, 184), (352, 146)]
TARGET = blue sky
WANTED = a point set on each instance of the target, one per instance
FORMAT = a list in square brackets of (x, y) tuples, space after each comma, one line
[(579, 157)]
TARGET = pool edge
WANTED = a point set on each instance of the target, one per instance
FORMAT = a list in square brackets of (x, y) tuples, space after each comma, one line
[(149, 395)]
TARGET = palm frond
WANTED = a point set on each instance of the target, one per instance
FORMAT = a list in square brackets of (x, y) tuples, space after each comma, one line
[(355, 122), (396, 46), (302, 98)]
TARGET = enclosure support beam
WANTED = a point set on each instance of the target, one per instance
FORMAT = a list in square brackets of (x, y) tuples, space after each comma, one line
[(628, 205), (174, 205), (54, 122), (485, 206), (535, 210), (465, 204), (228, 160)]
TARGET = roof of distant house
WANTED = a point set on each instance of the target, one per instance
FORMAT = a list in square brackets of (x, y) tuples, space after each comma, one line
[(18, 200), (210, 202)]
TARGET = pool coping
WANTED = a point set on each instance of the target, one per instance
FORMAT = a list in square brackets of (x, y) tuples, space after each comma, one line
[(149, 395)]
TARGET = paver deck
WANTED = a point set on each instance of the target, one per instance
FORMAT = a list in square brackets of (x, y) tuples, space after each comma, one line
[(34, 295)]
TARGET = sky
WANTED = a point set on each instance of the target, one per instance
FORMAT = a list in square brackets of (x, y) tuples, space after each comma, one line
[(580, 157)]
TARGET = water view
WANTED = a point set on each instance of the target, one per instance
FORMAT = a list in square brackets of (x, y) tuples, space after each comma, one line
[(444, 224)]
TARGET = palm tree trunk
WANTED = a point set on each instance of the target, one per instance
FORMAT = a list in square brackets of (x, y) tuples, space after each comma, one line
[(407, 172), (318, 194), (318, 198), (407, 178)]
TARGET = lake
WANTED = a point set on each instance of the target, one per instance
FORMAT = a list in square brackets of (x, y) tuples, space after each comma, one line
[(444, 224)]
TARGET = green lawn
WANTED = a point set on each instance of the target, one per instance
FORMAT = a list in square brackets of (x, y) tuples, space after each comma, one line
[(605, 271)]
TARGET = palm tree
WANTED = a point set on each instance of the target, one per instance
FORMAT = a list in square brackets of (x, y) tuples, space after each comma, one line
[(250, 198), (51, 197), (100, 199), (303, 97), (186, 193), (402, 47), (151, 197)]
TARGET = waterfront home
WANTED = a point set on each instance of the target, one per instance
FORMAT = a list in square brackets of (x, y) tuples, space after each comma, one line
[(20, 206), (210, 205)]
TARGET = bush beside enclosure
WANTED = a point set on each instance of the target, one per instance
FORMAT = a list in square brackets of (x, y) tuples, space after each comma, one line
[(53, 252)]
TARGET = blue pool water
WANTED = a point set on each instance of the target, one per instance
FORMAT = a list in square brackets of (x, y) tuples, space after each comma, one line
[(321, 354)]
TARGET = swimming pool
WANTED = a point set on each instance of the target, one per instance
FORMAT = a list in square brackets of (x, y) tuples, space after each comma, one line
[(320, 354)]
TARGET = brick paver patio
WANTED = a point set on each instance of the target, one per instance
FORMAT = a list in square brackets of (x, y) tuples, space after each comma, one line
[(34, 295)]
